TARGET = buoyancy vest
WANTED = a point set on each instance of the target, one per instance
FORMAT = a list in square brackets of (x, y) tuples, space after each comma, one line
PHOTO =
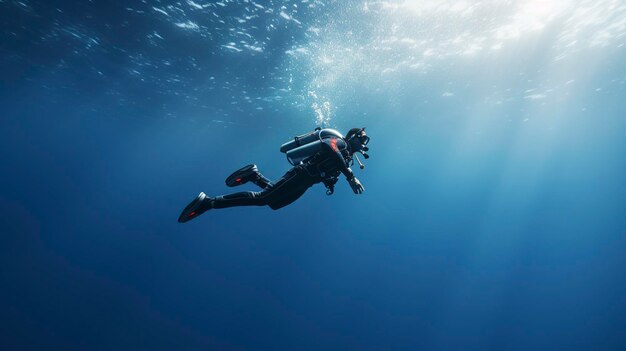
[(307, 145)]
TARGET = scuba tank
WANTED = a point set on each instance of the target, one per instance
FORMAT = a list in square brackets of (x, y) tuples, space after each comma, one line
[(306, 145), (300, 140)]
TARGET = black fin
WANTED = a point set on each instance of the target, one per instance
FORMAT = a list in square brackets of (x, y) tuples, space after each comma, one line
[(198, 206), (242, 175)]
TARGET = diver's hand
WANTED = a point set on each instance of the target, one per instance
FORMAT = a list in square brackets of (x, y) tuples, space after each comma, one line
[(356, 185)]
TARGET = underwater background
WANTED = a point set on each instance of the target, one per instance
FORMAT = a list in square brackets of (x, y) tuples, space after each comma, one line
[(494, 211)]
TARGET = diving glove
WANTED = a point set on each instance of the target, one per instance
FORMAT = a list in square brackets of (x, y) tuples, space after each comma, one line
[(356, 185)]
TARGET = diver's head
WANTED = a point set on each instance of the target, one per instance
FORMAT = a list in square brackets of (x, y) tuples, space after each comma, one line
[(357, 139)]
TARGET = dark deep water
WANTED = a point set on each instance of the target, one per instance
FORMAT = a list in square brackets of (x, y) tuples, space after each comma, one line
[(494, 215)]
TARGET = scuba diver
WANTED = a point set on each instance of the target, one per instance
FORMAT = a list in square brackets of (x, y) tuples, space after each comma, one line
[(319, 156)]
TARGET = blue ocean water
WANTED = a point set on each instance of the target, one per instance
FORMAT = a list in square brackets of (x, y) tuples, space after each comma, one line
[(494, 211)]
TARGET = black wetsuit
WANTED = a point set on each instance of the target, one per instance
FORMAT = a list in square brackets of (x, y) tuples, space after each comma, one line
[(325, 166)]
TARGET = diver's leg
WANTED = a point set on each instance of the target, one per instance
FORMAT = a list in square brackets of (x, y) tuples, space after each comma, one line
[(286, 190), (261, 181), (245, 198), (289, 191), (289, 188), (203, 203)]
